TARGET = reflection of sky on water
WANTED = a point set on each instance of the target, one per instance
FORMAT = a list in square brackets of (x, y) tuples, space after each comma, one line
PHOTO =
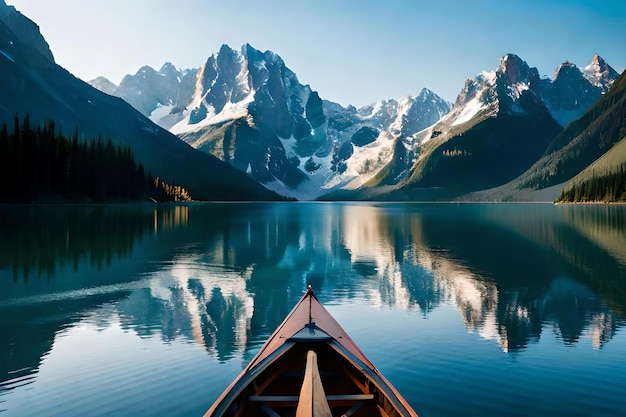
[(224, 276), (168, 285)]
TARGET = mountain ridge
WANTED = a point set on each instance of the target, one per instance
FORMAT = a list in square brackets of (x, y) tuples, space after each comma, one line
[(33, 84), (385, 144), (498, 127), (248, 109), (313, 145)]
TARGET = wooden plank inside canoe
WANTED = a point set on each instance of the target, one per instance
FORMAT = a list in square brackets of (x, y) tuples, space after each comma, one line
[(312, 402), (295, 398)]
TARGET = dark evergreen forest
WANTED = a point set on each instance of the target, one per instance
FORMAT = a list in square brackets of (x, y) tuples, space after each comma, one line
[(40, 164), (608, 188)]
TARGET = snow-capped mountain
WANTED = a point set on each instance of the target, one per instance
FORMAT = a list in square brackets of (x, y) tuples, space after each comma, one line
[(104, 85), (159, 95), (567, 95), (249, 109), (487, 95), (496, 129), (572, 90), (600, 74), (33, 84)]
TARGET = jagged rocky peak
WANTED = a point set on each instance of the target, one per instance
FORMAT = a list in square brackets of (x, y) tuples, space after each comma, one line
[(415, 114), (516, 74), (220, 80), (226, 64), (600, 74), (572, 89), (169, 69), (103, 84), (568, 72), (439, 104), (146, 70), (514, 69), (426, 95)]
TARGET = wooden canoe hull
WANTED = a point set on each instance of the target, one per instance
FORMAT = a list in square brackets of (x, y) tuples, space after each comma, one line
[(272, 381)]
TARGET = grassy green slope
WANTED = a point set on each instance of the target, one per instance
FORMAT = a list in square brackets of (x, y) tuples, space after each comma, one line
[(606, 164)]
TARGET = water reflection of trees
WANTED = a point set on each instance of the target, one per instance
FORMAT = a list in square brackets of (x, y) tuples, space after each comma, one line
[(520, 256), (35, 241), (235, 271), (69, 247)]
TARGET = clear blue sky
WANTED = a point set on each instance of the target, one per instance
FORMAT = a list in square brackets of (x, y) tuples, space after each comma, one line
[(350, 51)]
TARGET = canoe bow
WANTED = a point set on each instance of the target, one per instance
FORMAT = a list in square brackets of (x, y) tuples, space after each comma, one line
[(309, 324)]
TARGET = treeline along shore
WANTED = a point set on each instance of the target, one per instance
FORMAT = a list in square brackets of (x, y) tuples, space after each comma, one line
[(39, 164), (608, 188)]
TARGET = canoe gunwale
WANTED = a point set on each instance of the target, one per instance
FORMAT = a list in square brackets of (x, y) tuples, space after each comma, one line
[(245, 379), (376, 378), (300, 329)]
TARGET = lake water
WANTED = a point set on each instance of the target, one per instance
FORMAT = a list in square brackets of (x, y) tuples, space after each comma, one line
[(470, 309)]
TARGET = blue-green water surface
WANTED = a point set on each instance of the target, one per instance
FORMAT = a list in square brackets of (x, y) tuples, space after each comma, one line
[(468, 309)]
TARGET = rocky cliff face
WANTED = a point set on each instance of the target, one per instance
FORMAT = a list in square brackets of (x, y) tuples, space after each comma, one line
[(573, 90), (250, 110), (22, 39)]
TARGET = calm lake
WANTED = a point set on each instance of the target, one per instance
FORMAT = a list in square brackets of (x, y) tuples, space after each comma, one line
[(467, 309)]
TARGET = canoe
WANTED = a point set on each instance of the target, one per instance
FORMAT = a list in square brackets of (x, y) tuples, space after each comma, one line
[(310, 367)]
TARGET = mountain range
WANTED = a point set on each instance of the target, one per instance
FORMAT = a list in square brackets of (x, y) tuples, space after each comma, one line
[(249, 109), (243, 126), (32, 83), (593, 145)]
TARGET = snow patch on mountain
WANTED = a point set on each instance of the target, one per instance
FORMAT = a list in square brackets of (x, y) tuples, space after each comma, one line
[(468, 111), (474, 99), (366, 161), (230, 111), (160, 112), (373, 111)]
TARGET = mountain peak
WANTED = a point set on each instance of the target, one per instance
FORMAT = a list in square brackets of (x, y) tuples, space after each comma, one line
[(103, 84), (167, 67), (597, 59), (598, 63), (599, 73), (146, 69), (225, 48), (425, 94), (513, 68), (566, 69)]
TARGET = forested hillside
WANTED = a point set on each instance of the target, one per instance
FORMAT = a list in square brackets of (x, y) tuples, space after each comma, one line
[(607, 188), (582, 141), (39, 164)]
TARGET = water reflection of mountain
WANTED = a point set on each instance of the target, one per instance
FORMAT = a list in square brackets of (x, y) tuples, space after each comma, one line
[(225, 275), (508, 282), (59, 262)]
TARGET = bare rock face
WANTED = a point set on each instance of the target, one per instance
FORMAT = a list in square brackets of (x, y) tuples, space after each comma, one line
[(572, 90)]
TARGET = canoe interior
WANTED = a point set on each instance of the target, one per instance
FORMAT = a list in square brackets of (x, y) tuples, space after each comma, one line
[(275, 390)]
